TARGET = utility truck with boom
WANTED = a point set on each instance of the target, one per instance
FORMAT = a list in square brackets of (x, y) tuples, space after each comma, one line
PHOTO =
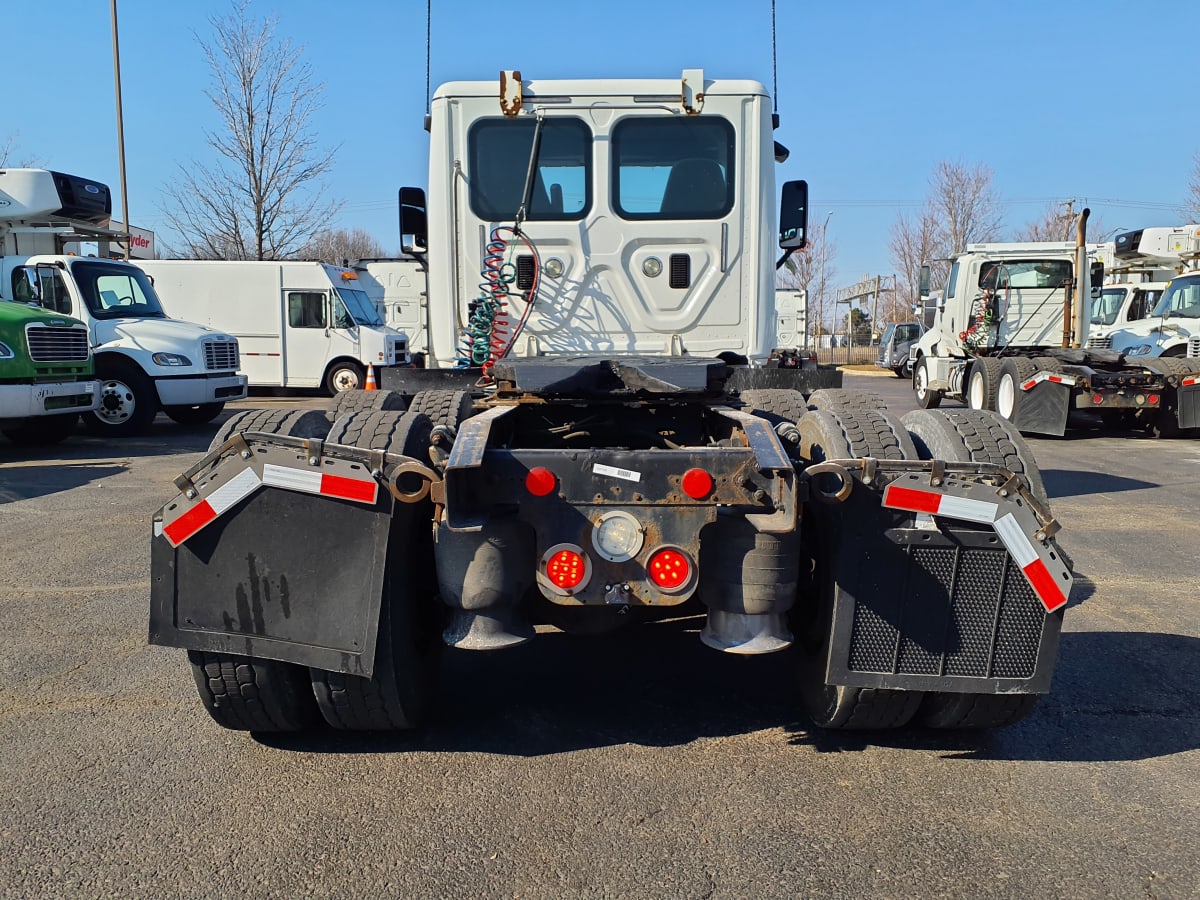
[(616, 449), (1010, 334), (144, 360)]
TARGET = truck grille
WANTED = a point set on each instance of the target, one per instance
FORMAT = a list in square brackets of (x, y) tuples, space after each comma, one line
[(221, 355), (1100, 343), (1194, 347), (48, 343)]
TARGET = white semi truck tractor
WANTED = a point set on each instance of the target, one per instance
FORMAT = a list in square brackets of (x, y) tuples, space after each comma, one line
[(616, 447), (1010, 335), (145, 360)]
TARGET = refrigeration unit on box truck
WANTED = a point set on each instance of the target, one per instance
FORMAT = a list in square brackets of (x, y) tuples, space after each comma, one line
[(299, 324)]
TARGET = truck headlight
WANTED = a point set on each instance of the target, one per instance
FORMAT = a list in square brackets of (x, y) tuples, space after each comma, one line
[(6, 351), (170, 359), (1139, 350)]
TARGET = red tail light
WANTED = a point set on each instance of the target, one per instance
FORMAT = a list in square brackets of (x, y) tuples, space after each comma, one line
[(540, 482), (566, 569), (697, 483), (670, 569), (1153, 399), (1097, 399)]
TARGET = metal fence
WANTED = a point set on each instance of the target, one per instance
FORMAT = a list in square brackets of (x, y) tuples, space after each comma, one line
[(848, 356)]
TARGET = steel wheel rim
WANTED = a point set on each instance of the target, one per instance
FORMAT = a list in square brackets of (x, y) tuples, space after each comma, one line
[(975, 391), (126, 402), (1006, 397)]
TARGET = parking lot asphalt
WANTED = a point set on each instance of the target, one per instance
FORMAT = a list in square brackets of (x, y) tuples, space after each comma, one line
[(641, 764)]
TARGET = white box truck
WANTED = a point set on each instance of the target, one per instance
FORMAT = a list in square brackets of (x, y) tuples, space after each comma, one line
[(299, 324)]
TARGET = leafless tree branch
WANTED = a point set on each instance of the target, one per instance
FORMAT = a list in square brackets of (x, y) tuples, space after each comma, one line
[(261, 198)]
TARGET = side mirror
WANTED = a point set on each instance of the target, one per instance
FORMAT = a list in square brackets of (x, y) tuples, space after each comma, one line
[(793, 216), (1096, 278), (414, 225), (923, 281)]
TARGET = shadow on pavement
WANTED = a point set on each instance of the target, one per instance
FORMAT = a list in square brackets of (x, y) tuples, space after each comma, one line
[(26, 482), (1074, 483), (1117, 696)]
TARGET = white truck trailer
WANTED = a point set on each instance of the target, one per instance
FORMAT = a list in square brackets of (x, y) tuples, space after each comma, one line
[(621, 452), (299, 324), (145, 360), (1011, 333)]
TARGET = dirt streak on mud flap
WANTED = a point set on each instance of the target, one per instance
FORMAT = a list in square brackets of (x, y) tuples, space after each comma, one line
[(947, 577), (275, 548)]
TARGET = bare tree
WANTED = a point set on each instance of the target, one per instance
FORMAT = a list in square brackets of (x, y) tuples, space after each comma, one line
[(914, 243), (964, 204), (1192, 205), (261, 197), (7, 148), (338, 246), (1057, 223), (812, 270), (962, 208)]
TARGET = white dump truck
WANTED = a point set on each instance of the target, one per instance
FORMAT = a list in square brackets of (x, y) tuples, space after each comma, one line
[(145, 360), (616, 449), (299, 324), (1010, 334)]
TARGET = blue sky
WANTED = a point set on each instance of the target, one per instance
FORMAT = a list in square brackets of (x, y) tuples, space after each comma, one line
[(1062, 98)]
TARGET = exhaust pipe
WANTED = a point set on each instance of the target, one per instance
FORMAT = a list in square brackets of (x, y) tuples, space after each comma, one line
[(1083, 292)]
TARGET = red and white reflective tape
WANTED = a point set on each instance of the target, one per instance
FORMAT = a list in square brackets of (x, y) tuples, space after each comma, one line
[(897, 497), (1190, 380), (1025, 555), (1030, 384), (246, 482), (310, 481), (1018, 544), (241, 485)]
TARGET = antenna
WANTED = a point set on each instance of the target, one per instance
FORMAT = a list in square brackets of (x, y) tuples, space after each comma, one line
[(774, 72)]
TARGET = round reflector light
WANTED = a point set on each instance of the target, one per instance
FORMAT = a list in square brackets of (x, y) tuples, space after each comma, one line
[(540, 482), (617, 536), (697, 483), (1098, 399), (566, 569), (1152, 399), (670, 569)]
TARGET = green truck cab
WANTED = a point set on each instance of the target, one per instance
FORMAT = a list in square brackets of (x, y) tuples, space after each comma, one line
[(46, 374)]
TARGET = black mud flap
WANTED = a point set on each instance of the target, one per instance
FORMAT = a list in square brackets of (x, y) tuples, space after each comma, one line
[(925, 600), (1042, 407), (1187, 400), (274, 557)]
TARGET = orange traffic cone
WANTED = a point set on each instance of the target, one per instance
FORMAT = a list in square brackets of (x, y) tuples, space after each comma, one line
[(370, 385)]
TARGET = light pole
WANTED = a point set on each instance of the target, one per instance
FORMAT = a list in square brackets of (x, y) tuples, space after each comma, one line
[(120, 125), (824, 253)]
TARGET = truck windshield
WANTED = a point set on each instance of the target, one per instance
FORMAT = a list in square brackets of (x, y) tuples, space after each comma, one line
[(116, 290), (1181, 299), (362, 311), (1024, 273), (1106, 307)]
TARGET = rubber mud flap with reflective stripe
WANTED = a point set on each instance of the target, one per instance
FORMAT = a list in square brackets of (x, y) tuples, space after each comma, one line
[(279, 561), (1188, 399), (1043, 404), (929, 597)]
